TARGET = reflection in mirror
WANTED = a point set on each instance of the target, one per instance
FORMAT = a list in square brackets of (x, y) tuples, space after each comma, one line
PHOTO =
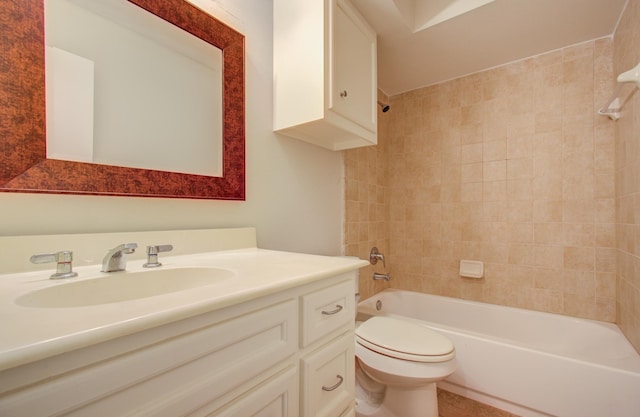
[(125, 88), (24, 165)]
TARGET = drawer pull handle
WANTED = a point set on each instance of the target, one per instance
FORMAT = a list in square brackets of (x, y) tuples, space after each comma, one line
[(332, 312), (333, 387)]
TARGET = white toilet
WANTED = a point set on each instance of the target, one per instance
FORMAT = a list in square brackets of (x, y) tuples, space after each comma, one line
[(397, 365)]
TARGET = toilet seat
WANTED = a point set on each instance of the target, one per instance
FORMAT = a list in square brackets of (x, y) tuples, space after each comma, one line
[(404, 340)]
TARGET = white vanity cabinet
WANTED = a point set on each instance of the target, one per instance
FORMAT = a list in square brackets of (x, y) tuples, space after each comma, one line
[(289, 353), (325, 77)]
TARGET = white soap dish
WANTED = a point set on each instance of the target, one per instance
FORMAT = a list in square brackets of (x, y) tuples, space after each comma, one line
[(471, 269)]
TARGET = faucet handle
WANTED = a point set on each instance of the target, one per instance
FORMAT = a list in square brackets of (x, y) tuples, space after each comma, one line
[(375, 256), (64, 268), (152, 255)]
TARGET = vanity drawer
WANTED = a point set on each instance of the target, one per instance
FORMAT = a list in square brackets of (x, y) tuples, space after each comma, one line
[(326, 310), (328, 384)]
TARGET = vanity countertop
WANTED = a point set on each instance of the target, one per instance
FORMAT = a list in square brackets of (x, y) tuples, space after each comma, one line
[(34, 333)]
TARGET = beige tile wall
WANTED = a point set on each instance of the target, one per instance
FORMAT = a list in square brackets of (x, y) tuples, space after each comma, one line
[(510, 166), (513, 167), (627, 176), (367, 204)]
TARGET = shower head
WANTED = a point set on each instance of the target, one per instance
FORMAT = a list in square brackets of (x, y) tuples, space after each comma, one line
[(385, 107)]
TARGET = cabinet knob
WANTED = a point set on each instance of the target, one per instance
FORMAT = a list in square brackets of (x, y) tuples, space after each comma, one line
[(343, 93)]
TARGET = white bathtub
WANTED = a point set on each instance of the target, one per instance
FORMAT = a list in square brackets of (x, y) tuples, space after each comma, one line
[(528, 363)]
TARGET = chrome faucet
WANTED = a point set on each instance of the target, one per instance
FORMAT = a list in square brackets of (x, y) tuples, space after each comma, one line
[(377, 277), (152, 255), (115, 260), (63, 259), (376, 256)]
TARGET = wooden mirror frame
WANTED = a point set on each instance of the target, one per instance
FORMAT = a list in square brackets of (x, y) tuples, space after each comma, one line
[(24, 166)]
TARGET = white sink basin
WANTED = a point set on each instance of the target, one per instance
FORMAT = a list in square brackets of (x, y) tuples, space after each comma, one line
[(122, 286)]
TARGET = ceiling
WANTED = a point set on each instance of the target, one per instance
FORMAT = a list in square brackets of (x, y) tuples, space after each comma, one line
[(424, 42)]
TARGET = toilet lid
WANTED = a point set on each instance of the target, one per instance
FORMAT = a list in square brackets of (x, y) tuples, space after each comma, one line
[(404, 340)]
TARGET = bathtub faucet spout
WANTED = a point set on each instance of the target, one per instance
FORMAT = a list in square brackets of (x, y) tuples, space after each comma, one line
[(377, 276)]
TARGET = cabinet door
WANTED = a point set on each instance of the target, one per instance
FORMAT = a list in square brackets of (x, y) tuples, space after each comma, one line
[(276, 398), (353, 80), (328, 380), (349, 413), (170, 378)]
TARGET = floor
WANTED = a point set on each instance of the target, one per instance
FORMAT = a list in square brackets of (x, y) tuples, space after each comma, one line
[(452, 405)]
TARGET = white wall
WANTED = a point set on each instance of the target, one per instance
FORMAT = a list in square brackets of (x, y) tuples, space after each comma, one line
[(294, 191)]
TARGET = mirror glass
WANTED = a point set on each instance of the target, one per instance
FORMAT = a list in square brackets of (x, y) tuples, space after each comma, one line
[(125, 88), (211, 63)]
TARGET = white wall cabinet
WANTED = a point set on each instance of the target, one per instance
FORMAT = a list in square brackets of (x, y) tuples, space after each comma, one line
[(325, 77), (250, 359)]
